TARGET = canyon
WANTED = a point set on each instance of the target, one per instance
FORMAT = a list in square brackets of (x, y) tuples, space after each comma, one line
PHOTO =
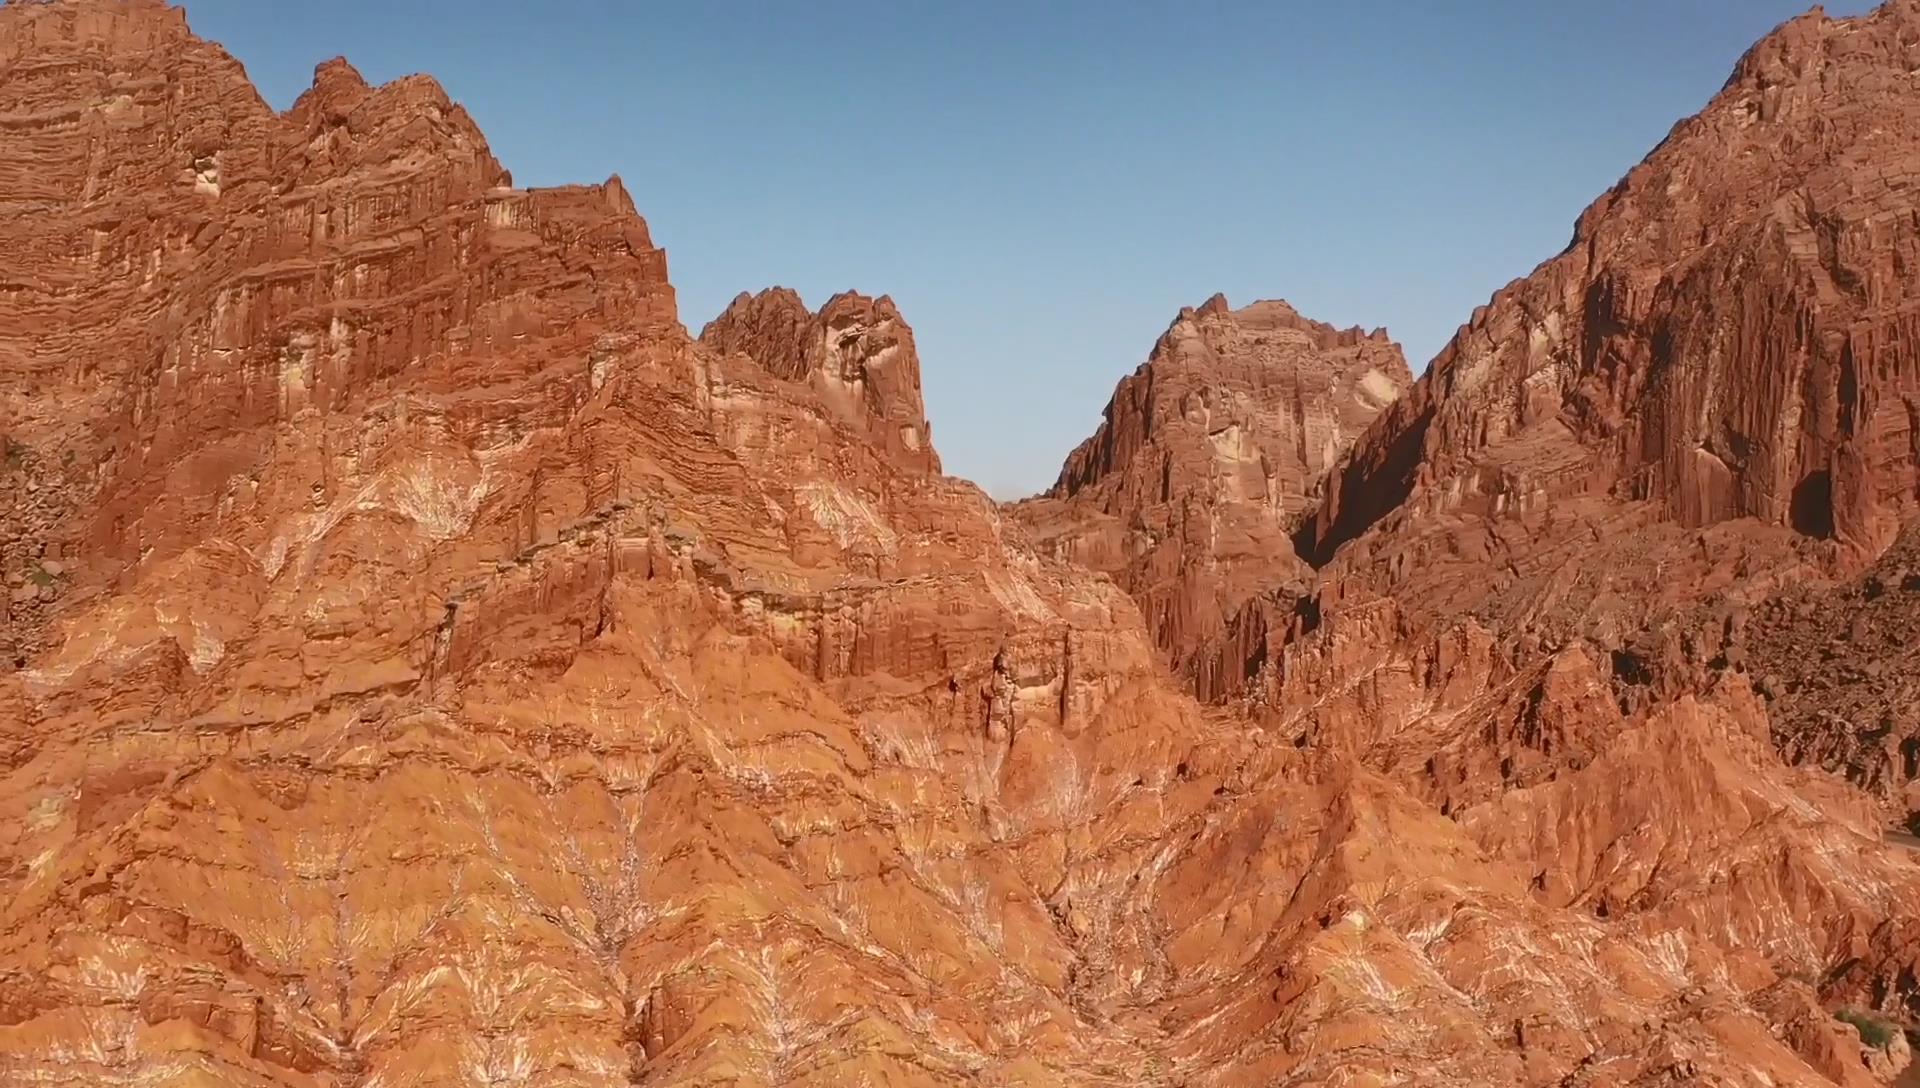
[(425, 662)]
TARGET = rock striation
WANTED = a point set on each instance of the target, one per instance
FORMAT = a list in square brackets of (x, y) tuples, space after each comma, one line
[(856, 354), (1727, 340), (441, 669), (1208, 454)]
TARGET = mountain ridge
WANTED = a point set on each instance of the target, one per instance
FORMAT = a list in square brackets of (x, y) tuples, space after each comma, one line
[(432, 665)]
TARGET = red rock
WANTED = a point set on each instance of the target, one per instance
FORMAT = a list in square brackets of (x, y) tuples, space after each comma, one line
[(456, 672), (856, 354), (1727, 339), (1188, 491), (1838, 670)]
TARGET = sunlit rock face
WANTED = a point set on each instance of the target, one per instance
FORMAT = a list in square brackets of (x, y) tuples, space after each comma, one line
[(1724, 353), (1209, 452), (856, 354), (441, 669)]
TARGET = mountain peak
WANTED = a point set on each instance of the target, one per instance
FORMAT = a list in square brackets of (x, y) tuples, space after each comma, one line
[(1230, 422), (856, 352)]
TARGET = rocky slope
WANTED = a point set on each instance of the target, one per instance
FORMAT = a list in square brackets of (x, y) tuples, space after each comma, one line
[(1716, 377), (1208, 453), (1840, 667), (1681, 441), (456, 674)]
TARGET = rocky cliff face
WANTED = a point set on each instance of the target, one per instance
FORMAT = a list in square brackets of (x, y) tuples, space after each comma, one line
[(1208, 453), (201, 290), (450, 672), (856, 354), (1727, 340)]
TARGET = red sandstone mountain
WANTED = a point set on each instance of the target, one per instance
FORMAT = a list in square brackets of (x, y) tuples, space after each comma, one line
[(1189, 490), (451, 672), (1709, 398), (1721, 360)]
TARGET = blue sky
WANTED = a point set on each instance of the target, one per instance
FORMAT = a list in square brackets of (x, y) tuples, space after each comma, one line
[(1041, 186)]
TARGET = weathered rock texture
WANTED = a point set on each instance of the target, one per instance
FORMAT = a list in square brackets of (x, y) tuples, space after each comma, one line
[(1728, 338), (856, 354), (1840, 666), (1209, 451), (456, 674)]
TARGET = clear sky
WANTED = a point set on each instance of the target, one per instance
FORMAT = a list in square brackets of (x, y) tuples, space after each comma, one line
[(1042, 185)]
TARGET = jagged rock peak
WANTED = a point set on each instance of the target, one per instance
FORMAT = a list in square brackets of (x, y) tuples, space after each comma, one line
[(856, 351), (1279, 313), (338, 72), (338, 88), (350, 124), (1187, 492), (1263, 370), (773, 327)]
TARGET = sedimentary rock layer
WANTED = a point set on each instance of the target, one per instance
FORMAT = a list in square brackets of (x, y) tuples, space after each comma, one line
[(1208, 453), (451, 672)]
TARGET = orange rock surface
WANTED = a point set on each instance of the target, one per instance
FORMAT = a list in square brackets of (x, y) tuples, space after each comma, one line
[(856, 355), (1209, 453), (442, 669), (1728, 341)]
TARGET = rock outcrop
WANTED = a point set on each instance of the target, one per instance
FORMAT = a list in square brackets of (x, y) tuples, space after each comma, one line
[(1209, 452), (455, 673), (200, 288), (1728, 340), (856, 354)]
